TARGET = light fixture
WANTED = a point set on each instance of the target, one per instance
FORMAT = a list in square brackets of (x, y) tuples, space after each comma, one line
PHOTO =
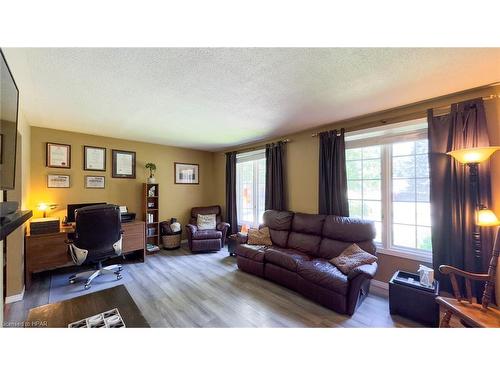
[(473, 155), (44, 207), (486, 218)]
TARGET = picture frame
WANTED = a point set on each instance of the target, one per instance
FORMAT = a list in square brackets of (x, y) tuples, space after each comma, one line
[(123, 164), (95, 182), (94, 158), (186, 173), (1, 148), (58, 155), (60, 181)]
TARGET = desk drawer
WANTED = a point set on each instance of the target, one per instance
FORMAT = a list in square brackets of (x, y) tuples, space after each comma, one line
[(133, 236), (47, 252)]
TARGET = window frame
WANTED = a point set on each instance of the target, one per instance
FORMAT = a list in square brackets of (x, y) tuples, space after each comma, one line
[(385, 141), (252, 156)]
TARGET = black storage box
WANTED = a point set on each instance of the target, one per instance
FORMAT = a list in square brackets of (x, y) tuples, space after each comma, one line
[(44, 225), (412, 300)]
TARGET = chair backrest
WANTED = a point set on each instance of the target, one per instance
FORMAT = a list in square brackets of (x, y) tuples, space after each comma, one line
[(209, 210), (97, 229)]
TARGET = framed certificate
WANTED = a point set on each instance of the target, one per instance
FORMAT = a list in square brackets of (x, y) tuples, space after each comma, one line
[(94, 182), (58, 155), (57, 181), (94, 158), (187, 173), (123, 164)]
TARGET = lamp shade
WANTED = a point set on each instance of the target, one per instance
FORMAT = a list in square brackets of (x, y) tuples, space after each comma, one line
[(486, 218), (473, 155)]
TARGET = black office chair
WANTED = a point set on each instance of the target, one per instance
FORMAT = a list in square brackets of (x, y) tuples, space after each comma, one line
[(98, 237)]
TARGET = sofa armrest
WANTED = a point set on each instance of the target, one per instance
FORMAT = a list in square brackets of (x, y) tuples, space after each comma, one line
[(223, 227), (241, 238), (367, 270), (191, 229)]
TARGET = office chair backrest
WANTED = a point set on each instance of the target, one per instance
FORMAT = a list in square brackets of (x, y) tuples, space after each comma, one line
[(97, 229)]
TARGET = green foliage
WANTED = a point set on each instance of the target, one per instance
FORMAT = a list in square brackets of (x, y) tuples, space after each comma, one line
[(151, 166)]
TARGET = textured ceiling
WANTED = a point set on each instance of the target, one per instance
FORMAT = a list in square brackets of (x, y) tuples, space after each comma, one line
[(215, 98)]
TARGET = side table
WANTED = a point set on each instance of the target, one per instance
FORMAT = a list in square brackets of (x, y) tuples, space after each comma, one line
[(412, 300)]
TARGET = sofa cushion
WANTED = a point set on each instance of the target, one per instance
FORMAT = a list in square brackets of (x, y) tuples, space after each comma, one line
[(254, 252), (207, 234), (279, 224), (324, 274), (285, 258), (259, 236), (306, 243), (308, 223), (348, 229), (352, 257), (329, 248)]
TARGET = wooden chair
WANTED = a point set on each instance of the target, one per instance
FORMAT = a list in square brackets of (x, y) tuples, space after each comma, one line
[(470, 313)]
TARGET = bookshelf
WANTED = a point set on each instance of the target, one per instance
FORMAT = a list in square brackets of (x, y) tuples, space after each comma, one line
[(151, 197)]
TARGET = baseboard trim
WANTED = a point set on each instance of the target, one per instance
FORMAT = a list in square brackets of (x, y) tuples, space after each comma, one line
[(15, 297), (380, 284)]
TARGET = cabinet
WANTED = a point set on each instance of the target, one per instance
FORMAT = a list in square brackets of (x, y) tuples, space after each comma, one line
[(151, 204)]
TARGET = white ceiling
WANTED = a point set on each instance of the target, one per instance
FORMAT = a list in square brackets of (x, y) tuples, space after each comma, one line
[(210, 99)]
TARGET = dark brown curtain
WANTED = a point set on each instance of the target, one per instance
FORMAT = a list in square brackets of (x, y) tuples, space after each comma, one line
[(332, 174), (452, 202), (275, 176), (231, 213)]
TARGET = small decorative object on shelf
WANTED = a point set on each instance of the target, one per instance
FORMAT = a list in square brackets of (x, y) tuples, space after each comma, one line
[(152, 170), (151, 217)]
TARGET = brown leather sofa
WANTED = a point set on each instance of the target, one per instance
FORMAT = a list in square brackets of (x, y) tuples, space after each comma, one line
[(208, 239), (298, 258)]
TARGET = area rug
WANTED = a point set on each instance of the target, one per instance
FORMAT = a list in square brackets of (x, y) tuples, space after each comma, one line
[(61, 289)]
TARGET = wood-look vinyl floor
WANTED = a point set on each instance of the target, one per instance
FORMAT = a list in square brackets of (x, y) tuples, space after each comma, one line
[(180, 289)]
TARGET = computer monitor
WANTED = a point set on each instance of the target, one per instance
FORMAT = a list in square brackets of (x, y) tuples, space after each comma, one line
[(72, 207)]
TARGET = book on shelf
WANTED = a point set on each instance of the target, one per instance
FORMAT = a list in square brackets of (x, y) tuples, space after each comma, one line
[(151, 247)]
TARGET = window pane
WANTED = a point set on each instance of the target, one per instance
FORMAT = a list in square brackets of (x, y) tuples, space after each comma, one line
[(403, 166), (371, 168), (423, 188), (424, 239), (353, 170), (372, 152), (422, 164), (378, 229), (353, 154), (421, 147), (403, 148), (354, 189), (355, 208), (371, 189), (404, 235), (372, 210), (403, 190), (424, 214), (403, 212)]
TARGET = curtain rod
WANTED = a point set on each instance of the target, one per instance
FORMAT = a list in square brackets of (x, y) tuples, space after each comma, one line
[(287, 140), (423, 113)]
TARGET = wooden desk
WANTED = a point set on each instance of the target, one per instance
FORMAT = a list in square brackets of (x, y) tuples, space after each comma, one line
[(49, 251), (60, 314)]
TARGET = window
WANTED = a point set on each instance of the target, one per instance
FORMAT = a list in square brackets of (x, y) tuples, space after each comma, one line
[(388, 182), (251, 187)]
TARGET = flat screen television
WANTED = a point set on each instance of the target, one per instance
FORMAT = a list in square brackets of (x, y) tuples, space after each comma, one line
[(9, 102)]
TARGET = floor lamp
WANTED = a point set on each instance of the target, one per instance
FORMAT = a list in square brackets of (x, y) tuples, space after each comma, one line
[(472, 157)]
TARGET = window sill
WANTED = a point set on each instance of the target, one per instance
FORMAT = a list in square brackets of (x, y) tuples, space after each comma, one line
[(407, 254)]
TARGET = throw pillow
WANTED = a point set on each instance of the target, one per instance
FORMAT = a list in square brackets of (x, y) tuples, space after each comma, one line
[(204, 222), (260, 236), (353, 256)]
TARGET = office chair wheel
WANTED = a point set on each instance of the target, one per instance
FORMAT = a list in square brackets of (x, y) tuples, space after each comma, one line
[(72, 279), (118, 277), (120, 268), (86, 286)]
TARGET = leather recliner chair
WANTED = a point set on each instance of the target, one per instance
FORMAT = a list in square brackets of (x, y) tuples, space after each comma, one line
[(207, 239)]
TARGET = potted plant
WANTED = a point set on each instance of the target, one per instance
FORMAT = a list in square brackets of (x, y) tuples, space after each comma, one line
[(152, 170)]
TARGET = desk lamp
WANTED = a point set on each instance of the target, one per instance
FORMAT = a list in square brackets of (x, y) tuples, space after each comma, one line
[(44, 207)]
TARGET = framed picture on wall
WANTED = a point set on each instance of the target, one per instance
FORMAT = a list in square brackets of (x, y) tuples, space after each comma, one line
[(187, 173), (94, 182), (123, 164), (94, 158), (58, 155), (58, 181)]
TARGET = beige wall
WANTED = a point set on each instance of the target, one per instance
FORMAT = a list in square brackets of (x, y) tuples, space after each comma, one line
[(303, 158), (175, 200)]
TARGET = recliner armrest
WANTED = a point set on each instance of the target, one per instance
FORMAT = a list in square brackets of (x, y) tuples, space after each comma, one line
[(191, 228), (222, 225), (367, 270)]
